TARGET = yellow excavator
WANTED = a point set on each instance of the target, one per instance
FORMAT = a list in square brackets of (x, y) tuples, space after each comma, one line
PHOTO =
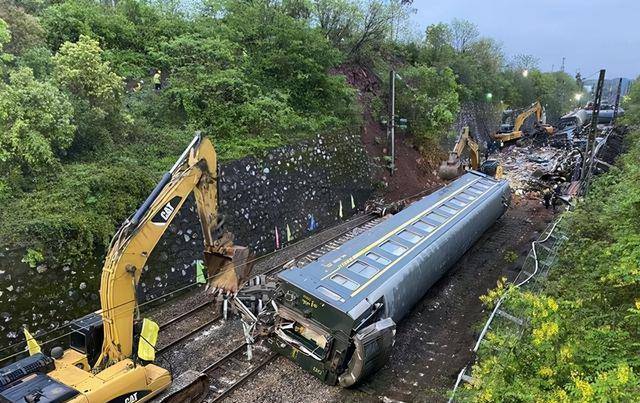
[(513, 127), (103, 362), (454, 166)]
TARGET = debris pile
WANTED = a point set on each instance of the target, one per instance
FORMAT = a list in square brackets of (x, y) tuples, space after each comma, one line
[(538, 170), (533, 169)]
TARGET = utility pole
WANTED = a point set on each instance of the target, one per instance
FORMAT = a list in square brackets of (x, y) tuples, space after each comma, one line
[(617, 104), (587, 159), (562, 66), (392, 121)]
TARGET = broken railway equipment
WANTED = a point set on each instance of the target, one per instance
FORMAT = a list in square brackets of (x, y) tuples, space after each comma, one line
[(336, 316)]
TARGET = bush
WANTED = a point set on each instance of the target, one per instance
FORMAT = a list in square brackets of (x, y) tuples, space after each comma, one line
[(428, 98), (582, 340), (35, 123)]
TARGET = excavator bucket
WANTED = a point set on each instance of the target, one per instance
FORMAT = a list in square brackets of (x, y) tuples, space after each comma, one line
[(228, 266), (450, 169)]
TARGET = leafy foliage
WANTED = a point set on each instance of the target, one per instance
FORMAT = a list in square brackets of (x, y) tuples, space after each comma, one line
[(581, 343), (429, 99), (5, 35), (631, 103), (26, 31), (35, 123), (96, 91)]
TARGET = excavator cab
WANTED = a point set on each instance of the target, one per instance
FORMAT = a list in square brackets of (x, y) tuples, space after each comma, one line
[(520, 125)]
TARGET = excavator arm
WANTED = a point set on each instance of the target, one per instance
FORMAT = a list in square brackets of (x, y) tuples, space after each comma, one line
[(195, 171), (535, 108), (517, 131), (453, 166)]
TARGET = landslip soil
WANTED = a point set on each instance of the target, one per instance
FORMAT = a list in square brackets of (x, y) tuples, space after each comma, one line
[(413, 172)]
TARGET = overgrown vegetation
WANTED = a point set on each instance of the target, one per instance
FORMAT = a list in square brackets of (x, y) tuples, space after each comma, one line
[(582, 340), (84, 135)]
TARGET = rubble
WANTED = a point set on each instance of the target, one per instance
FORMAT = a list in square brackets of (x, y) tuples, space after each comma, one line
[(535, 169), (532, 169)]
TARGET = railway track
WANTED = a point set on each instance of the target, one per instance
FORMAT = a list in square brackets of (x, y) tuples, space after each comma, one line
[(355, 226), (233, 369)]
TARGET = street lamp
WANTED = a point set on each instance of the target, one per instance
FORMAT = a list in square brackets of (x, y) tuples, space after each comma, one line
[(525, 73), (489, 96)]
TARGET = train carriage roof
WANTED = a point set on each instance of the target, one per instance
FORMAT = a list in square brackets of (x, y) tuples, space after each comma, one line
[(344, 277)]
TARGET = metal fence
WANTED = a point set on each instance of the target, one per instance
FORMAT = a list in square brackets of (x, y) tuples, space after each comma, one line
[(531, 277)]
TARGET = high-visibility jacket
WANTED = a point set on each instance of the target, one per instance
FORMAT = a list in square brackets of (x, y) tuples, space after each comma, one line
[(156, 78)]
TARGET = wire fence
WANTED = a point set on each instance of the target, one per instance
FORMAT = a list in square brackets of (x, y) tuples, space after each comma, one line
[(531, 277)]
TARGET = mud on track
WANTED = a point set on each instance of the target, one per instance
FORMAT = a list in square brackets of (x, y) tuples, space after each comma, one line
[(434, 342)]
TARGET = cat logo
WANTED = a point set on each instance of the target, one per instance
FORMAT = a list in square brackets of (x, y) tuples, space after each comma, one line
[(166, 211), (163, 216), (131, 397)]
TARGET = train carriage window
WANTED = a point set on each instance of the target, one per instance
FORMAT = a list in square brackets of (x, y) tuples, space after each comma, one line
[(481, 185), (474, 190), (364, 269), (488, 184), (436, 217), (469, 196), (382, 260), (393, 248), (448, 209), (345, 282), (423, 226), (458, 202), (409, 236), (327, 292)]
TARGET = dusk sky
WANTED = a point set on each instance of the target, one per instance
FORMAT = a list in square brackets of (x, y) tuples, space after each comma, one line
[(589, 34)]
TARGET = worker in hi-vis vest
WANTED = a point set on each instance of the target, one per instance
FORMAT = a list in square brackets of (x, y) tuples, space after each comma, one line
[(156, 80)]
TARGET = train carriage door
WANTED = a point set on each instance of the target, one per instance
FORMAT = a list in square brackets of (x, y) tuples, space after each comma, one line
[(372, 350)]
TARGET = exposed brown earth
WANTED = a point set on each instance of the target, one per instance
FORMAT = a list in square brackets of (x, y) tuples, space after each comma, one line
[(413, 172)]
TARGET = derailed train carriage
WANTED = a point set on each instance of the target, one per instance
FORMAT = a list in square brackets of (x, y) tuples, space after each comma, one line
[(336, 317)]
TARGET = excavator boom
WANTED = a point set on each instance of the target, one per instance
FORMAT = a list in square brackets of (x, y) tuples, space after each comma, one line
[(114, 373), (517, 131), (195, 171), (453, 166)]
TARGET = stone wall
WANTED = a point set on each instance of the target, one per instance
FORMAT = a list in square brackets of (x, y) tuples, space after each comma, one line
[(482, 118), (300, 186)]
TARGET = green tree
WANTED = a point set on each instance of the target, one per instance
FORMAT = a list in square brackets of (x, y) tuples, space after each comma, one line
[(35, 123), (631, 104), (5, 34), (5, 37), (79, 68), (438, 51), (68, 20), (337, 19), (554, 90), (257, 71), (463, 34), (479, 70), (429, 100), (96, 91), (26, 31)]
